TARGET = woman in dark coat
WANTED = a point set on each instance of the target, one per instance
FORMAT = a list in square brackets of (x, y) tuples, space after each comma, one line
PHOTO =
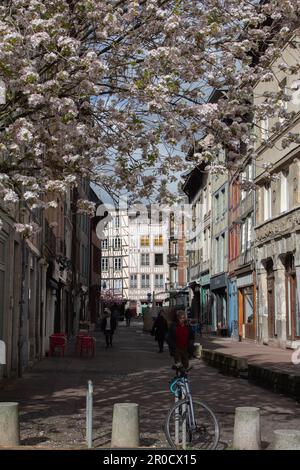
[(159, 330), (108, 326)]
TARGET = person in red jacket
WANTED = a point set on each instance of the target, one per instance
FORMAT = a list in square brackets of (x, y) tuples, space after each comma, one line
[(180, 339)]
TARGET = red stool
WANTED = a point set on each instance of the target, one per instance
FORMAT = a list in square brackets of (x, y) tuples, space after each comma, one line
[(87, 344), (57, 340)]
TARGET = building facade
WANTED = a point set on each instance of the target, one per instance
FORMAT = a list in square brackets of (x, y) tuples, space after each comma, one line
[(177, 286), (278, 213), (197, 187), (219, 242), (41, 277), (115, 255), (148, 258)]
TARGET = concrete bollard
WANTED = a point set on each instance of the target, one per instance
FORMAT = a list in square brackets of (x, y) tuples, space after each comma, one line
[(125, 426), (197, 350), (9, 424), (247, 434), (286, 439)]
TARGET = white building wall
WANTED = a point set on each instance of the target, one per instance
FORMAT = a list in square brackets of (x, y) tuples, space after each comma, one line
[(115, 278), (142, 227)]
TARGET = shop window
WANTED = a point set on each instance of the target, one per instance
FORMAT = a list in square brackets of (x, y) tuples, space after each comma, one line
[(248, 305)]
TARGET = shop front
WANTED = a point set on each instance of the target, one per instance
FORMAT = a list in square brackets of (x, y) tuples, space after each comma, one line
[(206, 317), (218, 287), (246, 306), (232, 308), (195, 300)]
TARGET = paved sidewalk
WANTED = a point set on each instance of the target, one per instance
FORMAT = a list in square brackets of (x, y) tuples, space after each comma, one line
[(265, 356), (267, 366), (52, 394)]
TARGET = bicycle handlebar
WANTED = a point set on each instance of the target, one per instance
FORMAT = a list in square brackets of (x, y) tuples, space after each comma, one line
[(180, 368)]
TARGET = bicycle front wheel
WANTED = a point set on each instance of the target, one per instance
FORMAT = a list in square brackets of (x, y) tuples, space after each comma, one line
[(202, 434)]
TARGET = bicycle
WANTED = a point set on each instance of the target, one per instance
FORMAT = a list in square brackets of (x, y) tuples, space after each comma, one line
[(198, 424)]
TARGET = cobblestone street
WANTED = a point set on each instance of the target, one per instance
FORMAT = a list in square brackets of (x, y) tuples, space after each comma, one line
[(52, 394)]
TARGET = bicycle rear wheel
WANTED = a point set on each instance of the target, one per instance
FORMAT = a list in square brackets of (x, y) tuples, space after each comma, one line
[(204, 436)]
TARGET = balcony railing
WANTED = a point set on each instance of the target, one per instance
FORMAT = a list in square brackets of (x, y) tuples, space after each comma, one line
[(173, 260)]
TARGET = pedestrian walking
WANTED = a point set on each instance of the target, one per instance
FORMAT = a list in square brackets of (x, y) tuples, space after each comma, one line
[(108, 326), (159, 330), (180, 339), (128, 316)]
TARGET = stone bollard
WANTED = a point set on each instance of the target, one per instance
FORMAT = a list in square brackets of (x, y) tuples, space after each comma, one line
[(197, 350), (125, 426), (286, 439), (9, 424), (247, 428)]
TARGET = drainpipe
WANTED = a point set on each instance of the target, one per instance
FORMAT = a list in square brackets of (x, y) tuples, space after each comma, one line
[(255, 257), (21, 340)]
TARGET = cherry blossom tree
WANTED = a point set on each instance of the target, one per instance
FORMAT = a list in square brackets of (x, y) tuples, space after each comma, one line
[(116, 90), (110, 298)]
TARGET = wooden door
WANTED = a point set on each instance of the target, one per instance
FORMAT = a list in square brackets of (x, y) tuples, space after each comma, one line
[(241, 312), (291, 292)]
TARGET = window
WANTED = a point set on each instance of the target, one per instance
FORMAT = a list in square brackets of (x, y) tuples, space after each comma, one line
[(205, 205), (219, 250), (209, 198), (158, 259), (159, 280), (233, 244), (217, 254), (283, 103), (105, 264), (133, 281), (117, 243), (118, 285), (118, 264), (267, 202), (284, 192), (145, 240), (243, 240), (159, 240), (243, 191), (145, 281), (104, 244), (194, 217), (223, 202), (117, 221), (235, 194), (264, 125), (145, 259), (249, 232), (250, 172), (217, 206), (222, 252)]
